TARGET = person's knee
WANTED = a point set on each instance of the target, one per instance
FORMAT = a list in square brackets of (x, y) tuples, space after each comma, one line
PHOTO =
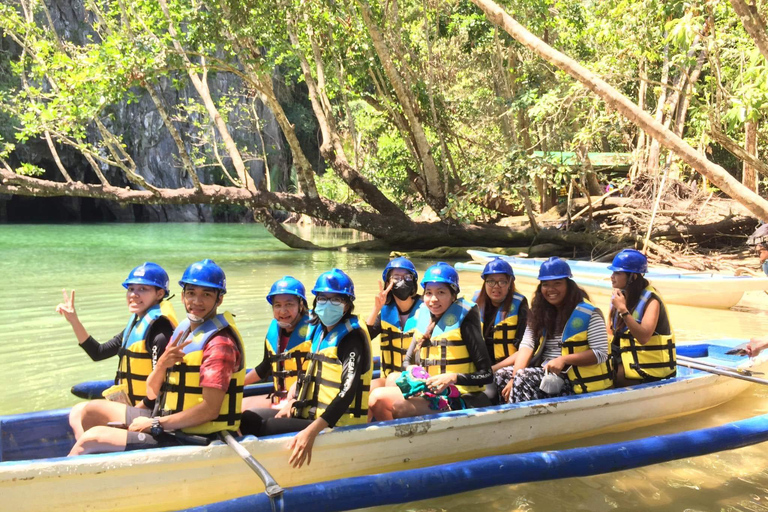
[(90, 441)]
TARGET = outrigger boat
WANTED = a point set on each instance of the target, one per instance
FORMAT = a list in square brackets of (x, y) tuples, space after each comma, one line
[(35, 476), (699, 289)]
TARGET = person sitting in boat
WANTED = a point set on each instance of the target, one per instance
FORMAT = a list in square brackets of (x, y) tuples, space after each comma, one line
[(286, 344), (502, 310), (198, 381), (138, 346), (643, 338), (393, 317), (448, 342), (334, 390), (758, 241), (565, 345)]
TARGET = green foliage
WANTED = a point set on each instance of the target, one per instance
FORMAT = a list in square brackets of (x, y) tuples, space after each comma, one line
[(27, 169)]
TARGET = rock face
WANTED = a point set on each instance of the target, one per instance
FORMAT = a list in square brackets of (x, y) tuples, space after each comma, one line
[(150, 145)]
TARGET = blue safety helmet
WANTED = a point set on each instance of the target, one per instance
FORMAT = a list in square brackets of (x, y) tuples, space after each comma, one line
[(148, 273), (205, 273), (403, 263), (335, 281), (287, 286), (630, 260), (554, 268), (498, 266), (442, 272)]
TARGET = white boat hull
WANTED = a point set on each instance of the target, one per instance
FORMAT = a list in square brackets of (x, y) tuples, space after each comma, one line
[(180, 477)]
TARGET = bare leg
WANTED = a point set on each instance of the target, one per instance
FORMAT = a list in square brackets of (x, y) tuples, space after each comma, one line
[(621, 380), (256, 402), (76, 419), (381, 402), (414, 406), (378, 383), (100, 412), (392, 378), (100, 440)]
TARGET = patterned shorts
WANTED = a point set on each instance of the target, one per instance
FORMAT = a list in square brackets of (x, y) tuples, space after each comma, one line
[(526, 386)]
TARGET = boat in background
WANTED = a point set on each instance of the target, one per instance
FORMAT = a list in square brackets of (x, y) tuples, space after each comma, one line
[(698, 289), (187, 476)]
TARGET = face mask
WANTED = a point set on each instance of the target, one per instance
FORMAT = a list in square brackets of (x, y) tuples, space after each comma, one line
[(329, 314), (195, 319), (765, 267), (403, 289), (285, 325)]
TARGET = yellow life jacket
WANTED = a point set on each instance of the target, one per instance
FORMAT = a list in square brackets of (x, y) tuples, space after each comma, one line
[(181, 389), (505, 330), (446, 351), (289, 364), (585, 379), (656, 359), (395, 339), (322, 382), (135, 362)]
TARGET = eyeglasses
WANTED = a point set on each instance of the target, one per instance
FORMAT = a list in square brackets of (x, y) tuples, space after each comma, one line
[(336, 301), (491, 283), (407, 278)]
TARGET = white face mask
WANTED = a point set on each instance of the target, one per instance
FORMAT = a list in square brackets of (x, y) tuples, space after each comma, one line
[(285, 325), (195, 319)]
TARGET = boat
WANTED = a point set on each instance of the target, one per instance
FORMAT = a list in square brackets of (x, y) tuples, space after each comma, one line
[(35, 476), (698, 289)]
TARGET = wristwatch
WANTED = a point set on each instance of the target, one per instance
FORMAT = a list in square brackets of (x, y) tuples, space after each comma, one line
[(624, 314), (156, 429)]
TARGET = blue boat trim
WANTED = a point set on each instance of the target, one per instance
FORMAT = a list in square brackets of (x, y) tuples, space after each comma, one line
[(446, 479)]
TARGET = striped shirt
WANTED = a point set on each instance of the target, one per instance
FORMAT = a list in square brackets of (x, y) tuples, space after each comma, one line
[(597, 336)]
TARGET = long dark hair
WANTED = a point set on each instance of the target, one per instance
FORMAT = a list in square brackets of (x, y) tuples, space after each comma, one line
[(632, 293), (543, 316), (483, 299)]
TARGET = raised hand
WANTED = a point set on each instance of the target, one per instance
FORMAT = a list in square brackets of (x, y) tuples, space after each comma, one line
[(67, 307), (381, 298), (174, 353)]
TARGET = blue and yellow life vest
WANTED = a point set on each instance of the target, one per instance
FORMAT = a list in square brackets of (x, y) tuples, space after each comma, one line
[(135, 362), (322, 382), (505, 330), (181, 389), (395, 339), (287, 365), (657, 358), (594, 377), (446, 351)]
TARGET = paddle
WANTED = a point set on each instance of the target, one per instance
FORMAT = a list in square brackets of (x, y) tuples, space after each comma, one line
[(272, 488), (742, 371), (725, 373)]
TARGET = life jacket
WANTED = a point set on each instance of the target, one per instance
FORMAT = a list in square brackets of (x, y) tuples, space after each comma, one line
[(446, 351), (135, 362), (181, 389), (287, 365), (322, 381), (656, 359), (594, 377), (504, 330), (395, 339)]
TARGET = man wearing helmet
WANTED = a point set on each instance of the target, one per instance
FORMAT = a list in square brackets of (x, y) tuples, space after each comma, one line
[(198, 381), (138, 346)]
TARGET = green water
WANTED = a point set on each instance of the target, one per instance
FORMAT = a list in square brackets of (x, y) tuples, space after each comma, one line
[(40, 359)]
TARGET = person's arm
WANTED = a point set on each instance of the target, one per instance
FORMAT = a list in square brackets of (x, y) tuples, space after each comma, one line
[(68, 311), (100, 351), (524, 354), (755, 346), (157, 341), (643, 331), (351, 353), (410, 354), (378, 302), (262, 371), (522, 320)]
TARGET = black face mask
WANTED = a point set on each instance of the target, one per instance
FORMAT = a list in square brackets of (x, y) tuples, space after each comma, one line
[(403, 289)]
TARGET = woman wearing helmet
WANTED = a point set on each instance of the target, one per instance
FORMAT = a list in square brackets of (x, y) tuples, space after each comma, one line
[(286, 344), (138, 346), (393, 317), (334, 389), (643, 339), (504, 313), (565, 337), (448, 343)]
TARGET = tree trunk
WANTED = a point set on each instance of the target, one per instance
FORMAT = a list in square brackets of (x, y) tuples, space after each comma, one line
[(716, 174), (753, 24), (749, 176)]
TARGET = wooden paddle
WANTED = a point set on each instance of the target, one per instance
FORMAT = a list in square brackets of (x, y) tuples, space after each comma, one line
[(725, 373), (272, 488), (742, 371)]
